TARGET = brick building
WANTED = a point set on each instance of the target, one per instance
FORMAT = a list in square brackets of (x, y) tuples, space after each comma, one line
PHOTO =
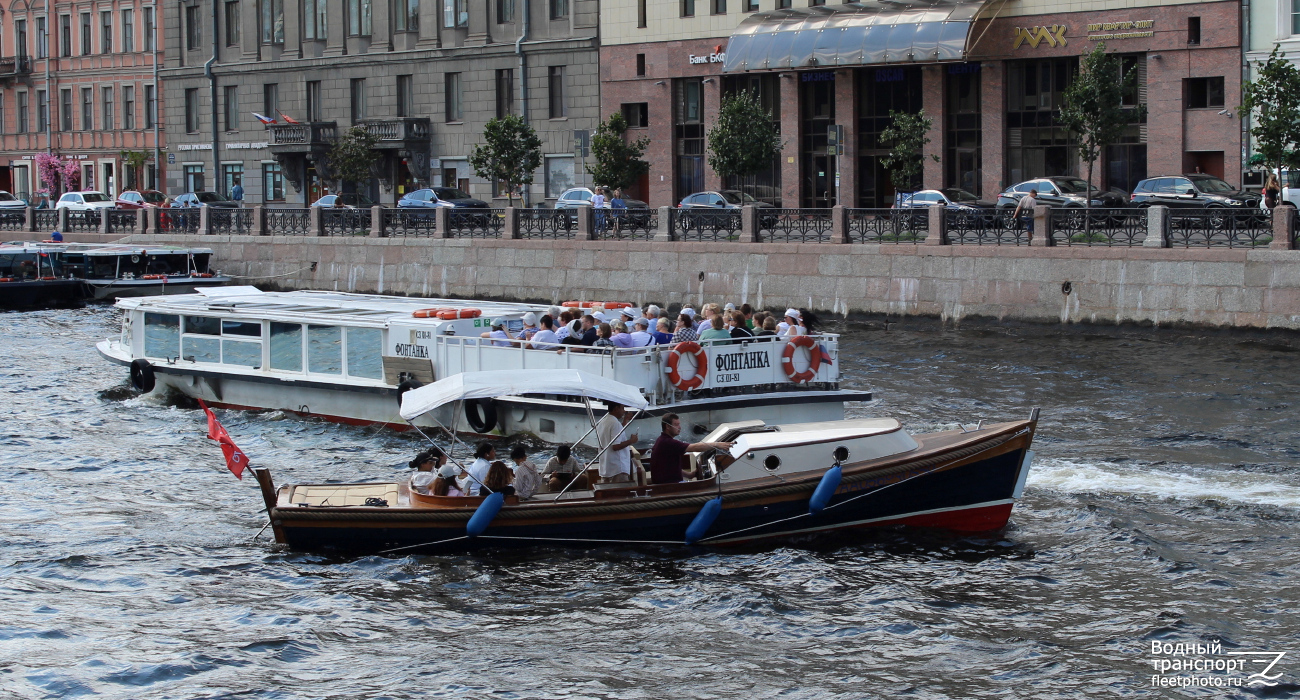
[(990, 75), (424, 77), (77, 80)]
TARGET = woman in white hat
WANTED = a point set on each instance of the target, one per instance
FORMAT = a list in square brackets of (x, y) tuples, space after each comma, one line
[(793, 323)]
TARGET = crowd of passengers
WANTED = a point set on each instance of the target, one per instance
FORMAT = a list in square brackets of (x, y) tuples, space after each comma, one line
[(618, 462), (606, 331)]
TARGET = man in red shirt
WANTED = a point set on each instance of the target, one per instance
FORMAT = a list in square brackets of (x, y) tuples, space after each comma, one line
[(666, 455)]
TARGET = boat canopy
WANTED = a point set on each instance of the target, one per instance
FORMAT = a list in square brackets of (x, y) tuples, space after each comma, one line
[(851, 429), (491, 384)]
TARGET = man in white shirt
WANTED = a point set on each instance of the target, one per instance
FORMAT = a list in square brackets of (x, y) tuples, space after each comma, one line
[(478, 470), (545, 338), (616, 461), (641, 336)]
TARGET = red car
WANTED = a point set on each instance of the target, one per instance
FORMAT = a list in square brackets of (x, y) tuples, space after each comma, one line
[(141, 199)]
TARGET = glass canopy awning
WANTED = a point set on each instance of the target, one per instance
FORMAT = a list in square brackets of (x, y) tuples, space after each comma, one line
[(854, 34)]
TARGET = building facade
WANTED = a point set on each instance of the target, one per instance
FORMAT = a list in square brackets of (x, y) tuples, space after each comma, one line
[(77, 81), (422, 76), (989, 74)]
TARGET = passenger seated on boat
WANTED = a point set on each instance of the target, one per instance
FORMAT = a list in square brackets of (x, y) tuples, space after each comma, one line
[(445, 484), (685, 329), (530, 326), (663, 332), (666, 455), (559, 470), (499, 335), (611, 434), (736, 325), (603, 340), (769, 328), (641, 336), (426, 465), (545, 338), (566, 327), (526, 480), (584, 334), (716, 330), (478, 469), (498, 480), (621, 338)]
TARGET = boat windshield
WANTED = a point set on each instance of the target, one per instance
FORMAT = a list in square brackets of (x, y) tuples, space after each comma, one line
[(29, 266)]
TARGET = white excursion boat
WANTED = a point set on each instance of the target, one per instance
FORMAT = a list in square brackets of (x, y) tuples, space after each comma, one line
[(118, 270), (350, 357)]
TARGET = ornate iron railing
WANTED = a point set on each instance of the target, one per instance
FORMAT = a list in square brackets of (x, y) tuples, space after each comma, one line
[(123, 220), (409, 222), (13, 220), (796, 225), (234, 221), (345, 222), (1220, 228), (184, 219), (303, 134), (988, 227), (83, 221), (547, 223), (707, 224), (888, 225), (288, 222), (46, 219), (1099, 227), (631, 225), (476, 223), (406, 128)]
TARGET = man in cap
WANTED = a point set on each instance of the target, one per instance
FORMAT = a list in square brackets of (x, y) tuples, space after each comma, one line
[(641, 337), (530, 326), (615, 464)]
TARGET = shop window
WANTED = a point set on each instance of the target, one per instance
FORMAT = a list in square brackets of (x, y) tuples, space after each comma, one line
[(1203, 93), (1037, 144), (272, 183), (688, 135), (559, 175), (880, 91), (637, 114), (963, 137), (1194, 31), (764, 185)]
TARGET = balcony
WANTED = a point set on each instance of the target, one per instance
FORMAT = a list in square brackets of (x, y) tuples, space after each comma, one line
[(12, 67), (405, 132), (301, 138)]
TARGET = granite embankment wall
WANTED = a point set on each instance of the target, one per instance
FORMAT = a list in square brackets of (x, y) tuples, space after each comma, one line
[(1257, 288)]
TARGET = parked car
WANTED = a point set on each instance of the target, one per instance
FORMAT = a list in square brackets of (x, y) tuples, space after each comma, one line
[(12, 209), (574, 198), (719, 200), (971, 210), (142, 199), (198, 199), (1192, 191), (351, 200), (439, 197), (1061, 192), (87, 200)]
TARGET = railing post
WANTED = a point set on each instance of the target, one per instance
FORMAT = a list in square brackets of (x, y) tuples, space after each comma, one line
[(749, 232), (1283, 223), (142, 220), (937, 234), (63, 220), (376, 222), (665, 230), (30, 226), (155, 219), (586, 223), (1157, 227), (840, 224), (1041, 233), (258, 227), (205, 220), (511, 229), (442, 222), (315, 223), (103, 221)]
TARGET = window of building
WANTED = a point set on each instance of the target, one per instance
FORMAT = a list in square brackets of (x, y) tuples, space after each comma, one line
[(636, 114), (20, 37), (407, 13), (42, 39), (272, 21), (128, 31), (688, 135), (880, 91), (106, 32), (106, 101), (191, 110), (405, 96), (232, 23), (688, 8), (1203, 93), (1295, 17), (21, 108), (1037, 144), (357, 99), (451, 97), (963, 136), (42, 110), (231, 174), (455, 13), (559, 9), (192, 40), (85, 34), (1193, 30), (782, 4), (271, 100), (505, 11), (815, 3), (230, 102), (505, 89), (65, 110), (193, 178), (816, 116), (149, 30), (641, 14), (751, 5), (65, 35), (314, 105), (87, 109), (314, 19), (272, 183), (359, 18), (150, 106), (128, 107), (640, 64), (720, 6), (559, 175), (555, 90)]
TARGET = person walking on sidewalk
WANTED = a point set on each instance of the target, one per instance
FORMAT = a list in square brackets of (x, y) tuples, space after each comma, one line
[(1024, 213)]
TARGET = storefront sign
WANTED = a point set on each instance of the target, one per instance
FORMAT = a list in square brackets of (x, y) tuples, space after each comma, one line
[(1054, 35), (1137, 29), (819, 77), (241, 146), (718, 56), (195, 147)]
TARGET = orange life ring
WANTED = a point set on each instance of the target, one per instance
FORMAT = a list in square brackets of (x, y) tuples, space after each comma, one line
[(155, 277), (615, 305), (430, 313), (470, 313), (448, 314), (203, 274), (814, 359), (573, 304), (6, 279), (701, 365)]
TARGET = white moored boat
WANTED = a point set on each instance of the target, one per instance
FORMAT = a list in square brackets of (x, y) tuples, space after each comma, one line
[(349, 357)]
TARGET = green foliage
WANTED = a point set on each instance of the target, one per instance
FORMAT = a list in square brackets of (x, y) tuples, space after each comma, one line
[(743, 141), (511, 153), (1094, 105), (353, 157), (618, 163), (906, 137), (1273, 104)]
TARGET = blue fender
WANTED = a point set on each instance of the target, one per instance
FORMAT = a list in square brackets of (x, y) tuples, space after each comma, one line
[(703, 520), (484, 515), (822, 494)]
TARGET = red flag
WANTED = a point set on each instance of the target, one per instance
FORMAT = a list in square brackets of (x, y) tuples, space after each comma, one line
[(287, 119), (236, 460)]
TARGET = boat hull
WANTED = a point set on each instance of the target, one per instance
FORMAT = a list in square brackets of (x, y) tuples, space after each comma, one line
[(33, 294), (119, 289)]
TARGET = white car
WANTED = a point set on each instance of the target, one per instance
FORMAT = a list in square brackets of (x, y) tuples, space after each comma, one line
[(88, 200)]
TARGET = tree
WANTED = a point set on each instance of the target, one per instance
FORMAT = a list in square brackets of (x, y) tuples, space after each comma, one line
[(1094, 106), (353, 157), (1273, 103), (133, 161), (511, 153), (906, 137), (743, 140), (618, 162), (58, 174)]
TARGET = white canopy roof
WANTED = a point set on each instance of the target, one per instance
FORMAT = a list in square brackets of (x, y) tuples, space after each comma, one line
[(488, 385), (853, 429)]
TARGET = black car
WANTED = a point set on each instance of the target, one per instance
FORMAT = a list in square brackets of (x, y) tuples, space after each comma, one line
[(1061, 192), (1192, 191)]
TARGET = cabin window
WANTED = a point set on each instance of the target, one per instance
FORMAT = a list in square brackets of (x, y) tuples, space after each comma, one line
[(252, 329), (200, 349), (162, 335), (365, 345), (286, 346), (325, 349), (203, 325), (242, 353)]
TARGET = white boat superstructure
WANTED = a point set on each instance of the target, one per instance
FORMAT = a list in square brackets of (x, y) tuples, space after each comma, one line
[(349, 357)]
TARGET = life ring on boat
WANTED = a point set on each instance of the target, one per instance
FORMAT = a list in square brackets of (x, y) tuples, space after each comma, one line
[(575, 304), (814, 359), (481, 414), (701, 365), (142, 375), (154, 277), (404, 387), (471, 313), (203, 274), (6, 279), (615, 305), (430, 313), (50, 278)]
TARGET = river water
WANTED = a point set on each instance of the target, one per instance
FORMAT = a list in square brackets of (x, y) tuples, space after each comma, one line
[(1164, 507)]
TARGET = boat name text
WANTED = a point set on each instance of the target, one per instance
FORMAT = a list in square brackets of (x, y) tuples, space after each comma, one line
[(411, 350)]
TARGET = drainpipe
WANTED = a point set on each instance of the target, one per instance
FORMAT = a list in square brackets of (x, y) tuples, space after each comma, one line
[(49, 90), (212, 83), (157, 97), (523, 79), (1245, 76)]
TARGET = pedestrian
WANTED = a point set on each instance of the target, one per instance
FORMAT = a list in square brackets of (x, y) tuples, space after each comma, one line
[(1024, 213), (56, 237), (598, 207), (1272, 191), (618, 208), (237, 193)]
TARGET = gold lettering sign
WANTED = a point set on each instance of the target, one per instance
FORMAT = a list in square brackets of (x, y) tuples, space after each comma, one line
[(1134, 29), (1054, 35)]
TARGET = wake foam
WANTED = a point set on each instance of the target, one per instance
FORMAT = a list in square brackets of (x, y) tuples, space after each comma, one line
[(1193, 484)]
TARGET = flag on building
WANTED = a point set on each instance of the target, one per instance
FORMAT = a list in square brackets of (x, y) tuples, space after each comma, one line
[(264, 119), (236, 460), (287, 119)]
